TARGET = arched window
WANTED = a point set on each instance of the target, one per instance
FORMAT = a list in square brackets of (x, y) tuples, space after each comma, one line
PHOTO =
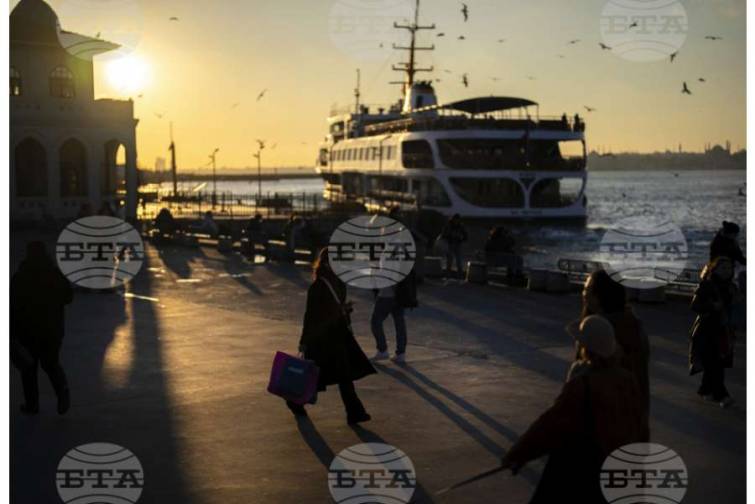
[(61, 83), (16, 87), (73, 169), (31, 169)]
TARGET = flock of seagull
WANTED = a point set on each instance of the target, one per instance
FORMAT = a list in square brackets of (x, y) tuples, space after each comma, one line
[(634, 25)]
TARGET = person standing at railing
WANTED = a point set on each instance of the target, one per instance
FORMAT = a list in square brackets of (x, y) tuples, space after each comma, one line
[(455, 234)]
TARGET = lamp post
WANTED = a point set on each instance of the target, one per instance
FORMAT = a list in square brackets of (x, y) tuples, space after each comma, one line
[(214, 178), (258, 155)]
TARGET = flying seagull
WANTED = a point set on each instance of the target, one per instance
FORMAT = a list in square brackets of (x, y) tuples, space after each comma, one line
[(465, 12), (465, 80), (634, 25), (441, 34), (262, 94), (604, 47), (530, 77), (462, 37), (501, 41), (159, 116), (98, 35), (701, 79), (560, 56), (173, 18), (235, 105), (495, 79), (590, 109), (575, 41), (713, 37), (685, 89), (448, 71), (673, 56)]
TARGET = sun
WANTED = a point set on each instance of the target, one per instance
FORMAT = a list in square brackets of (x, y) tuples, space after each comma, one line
[(128, 74)]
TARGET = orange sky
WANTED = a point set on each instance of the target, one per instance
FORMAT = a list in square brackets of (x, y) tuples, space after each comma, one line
[(304, 52)]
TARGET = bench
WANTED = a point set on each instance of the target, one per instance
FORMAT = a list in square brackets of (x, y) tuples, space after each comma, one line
[(278, 250)]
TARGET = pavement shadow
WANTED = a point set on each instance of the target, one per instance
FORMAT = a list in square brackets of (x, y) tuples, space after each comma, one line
[(237, 268), (315, 441), (178, 259), (421, 494), (134, 412), (480, 437)]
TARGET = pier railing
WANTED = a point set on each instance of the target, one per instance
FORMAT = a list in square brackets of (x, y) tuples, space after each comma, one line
[(230, 205)]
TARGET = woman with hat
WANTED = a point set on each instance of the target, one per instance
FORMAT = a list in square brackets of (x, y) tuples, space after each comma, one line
[(598, 411)]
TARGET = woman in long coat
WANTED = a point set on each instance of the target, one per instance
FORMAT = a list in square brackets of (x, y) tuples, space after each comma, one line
[(712, 336), (327, 339)]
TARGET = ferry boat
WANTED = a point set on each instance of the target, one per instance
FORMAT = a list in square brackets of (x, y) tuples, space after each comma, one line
[(486, 157)]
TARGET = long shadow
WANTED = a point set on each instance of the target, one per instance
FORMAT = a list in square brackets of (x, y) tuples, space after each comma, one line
[(178, 259), (421, 495), (315, 441), (119, 395), (483, 440), (236, 269), (290, 273)]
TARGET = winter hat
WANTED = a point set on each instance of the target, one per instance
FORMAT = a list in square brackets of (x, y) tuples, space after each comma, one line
[(730, 227), (596, 334)]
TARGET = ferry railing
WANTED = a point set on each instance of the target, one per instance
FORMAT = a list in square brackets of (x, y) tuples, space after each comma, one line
[(452, 122)]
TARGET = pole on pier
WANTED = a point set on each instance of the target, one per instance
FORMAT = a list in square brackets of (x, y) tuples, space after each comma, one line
[(173, 168), (214, 178)]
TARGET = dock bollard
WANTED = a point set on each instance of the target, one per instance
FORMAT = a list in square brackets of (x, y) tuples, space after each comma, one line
[(477, 272)]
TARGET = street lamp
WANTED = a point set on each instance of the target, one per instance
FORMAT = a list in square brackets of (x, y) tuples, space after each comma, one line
[(214, 178), (258, 155)]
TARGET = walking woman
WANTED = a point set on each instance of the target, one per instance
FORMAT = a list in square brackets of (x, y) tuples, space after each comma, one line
[(603, 296), (712, 336), (327, 339), (596, 413)]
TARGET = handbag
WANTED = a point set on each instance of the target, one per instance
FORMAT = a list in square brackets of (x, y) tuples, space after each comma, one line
[(294, 379)]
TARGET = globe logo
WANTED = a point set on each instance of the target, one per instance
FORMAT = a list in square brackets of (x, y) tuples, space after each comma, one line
[(644, 473), (644, 30), (644, 252), (374, 473), (372, 252), (104, 473), (99, 252), (363, 29)]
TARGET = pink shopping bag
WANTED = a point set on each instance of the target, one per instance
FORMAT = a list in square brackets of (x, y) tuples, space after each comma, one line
[(294, 379)]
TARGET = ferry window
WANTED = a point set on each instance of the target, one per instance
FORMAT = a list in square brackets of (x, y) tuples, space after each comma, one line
[(555, 155), (430, 192), (483, 153), (556, 192), (16, 87), (417, 154), (361, 153), (61, 83), (323, 157), (490, 192), (390, 151)]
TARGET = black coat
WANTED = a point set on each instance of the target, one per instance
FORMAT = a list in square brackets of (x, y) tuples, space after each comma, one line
[(38, 295), (327, 338), (711, 335)]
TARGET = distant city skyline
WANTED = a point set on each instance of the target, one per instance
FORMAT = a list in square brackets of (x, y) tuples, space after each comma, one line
[(227, 73)]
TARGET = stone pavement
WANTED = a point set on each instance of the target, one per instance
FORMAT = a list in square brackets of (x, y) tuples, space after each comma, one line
[(176, 371)]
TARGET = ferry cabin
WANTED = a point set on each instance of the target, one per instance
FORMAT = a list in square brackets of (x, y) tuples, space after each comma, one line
[(482, 158)]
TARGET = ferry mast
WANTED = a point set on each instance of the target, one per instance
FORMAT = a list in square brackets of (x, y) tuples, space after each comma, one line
[(410, 67)]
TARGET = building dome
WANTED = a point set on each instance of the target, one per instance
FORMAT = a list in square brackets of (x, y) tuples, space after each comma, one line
[(34, 21)]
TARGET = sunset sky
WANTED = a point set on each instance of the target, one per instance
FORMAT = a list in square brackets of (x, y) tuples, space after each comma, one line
[(305, 52)]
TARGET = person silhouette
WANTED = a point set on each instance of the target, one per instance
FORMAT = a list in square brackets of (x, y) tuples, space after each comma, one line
[(38, 295)]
